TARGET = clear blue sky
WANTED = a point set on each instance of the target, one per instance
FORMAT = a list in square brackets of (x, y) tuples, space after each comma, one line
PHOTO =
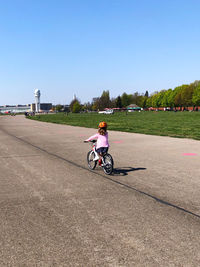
[(82, 47)]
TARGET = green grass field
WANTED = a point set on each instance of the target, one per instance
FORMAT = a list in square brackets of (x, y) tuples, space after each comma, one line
[(175, 124)]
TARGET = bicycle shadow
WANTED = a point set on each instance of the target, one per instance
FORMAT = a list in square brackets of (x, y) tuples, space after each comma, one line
[(125, 170)]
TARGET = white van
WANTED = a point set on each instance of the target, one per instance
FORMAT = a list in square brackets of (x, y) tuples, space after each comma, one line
[(108, 111)]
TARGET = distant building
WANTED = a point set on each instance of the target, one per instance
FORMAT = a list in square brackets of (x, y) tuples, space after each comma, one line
[(44, 107), (66, 108), (133, 107), (15, 109)]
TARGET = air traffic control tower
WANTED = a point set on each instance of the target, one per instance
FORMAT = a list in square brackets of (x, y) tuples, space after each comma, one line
[(37, 100)]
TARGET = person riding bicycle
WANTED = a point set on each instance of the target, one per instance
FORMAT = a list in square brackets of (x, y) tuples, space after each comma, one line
[(102, 140)]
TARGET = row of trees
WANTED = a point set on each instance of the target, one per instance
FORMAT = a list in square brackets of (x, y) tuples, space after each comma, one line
[(104, 101), (186, 95), (182, 96)]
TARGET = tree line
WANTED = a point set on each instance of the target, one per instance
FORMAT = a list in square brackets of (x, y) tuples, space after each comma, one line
[(104, 101), (182, 97)]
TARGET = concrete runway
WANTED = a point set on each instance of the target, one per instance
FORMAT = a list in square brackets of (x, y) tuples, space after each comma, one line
[(55, 212)]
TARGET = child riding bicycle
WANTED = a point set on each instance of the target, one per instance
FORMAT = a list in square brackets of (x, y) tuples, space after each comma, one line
[(102, 140)]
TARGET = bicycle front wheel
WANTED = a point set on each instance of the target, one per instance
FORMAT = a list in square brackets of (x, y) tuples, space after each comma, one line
[(90, 160), (108, 164)]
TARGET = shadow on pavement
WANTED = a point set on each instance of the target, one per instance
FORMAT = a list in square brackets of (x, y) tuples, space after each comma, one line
[(125, 170)]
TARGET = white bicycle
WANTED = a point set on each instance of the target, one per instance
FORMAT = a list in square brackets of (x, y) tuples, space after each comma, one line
[(106, 163)]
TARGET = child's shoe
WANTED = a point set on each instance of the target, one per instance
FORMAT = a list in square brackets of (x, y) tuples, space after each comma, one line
[(100, 162)]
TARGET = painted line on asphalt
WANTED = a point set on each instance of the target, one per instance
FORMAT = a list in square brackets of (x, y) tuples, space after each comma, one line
[(18, 156), (118, 142), (189, 154)]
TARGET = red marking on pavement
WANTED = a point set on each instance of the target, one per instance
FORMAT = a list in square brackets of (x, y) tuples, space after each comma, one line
[(189, 154), (118, 142)]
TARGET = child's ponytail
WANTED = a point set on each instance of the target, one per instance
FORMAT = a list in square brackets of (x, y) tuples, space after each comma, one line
[(102, 131)]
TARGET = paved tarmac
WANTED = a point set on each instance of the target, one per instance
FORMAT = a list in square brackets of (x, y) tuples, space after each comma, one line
[(55, 212)]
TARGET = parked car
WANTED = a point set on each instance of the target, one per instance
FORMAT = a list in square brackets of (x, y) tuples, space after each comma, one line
[(108, 111)]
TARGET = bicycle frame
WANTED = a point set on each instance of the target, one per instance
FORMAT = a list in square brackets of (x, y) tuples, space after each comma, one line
[(106, 159), (94, 147)]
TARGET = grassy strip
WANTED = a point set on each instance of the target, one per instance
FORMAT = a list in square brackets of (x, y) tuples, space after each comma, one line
[(175, 124)]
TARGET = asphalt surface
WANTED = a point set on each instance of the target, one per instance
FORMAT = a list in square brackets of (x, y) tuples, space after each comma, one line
[(56, 212)]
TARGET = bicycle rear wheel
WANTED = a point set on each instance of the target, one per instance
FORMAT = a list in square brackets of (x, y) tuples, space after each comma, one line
[(111, 158), (107, 164), (91, 163)]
